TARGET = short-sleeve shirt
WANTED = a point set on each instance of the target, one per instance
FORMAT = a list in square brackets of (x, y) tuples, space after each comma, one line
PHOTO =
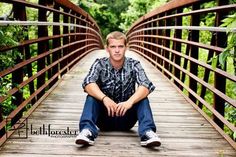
[(120, 84)]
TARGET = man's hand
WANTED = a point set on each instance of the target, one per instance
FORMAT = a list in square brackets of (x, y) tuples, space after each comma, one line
[(140, 94), (110, 105), (123, 107)]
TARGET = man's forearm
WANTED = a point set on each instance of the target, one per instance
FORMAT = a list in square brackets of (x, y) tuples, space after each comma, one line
[(93, 90), (141, 93)]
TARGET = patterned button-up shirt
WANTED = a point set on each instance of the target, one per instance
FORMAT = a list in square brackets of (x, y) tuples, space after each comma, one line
[(119, 85)]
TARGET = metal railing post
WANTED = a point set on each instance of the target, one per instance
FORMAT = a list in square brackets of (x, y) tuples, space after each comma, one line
[(220, 81), (177, 45), (42, 47), (56, 43), (195, 21), (17, 76)]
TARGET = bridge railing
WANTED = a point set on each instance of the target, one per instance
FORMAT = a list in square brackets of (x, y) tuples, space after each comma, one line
[(178, 40), (55, 35)]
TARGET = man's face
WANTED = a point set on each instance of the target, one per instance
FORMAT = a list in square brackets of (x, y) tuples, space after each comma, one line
[(116, 49)]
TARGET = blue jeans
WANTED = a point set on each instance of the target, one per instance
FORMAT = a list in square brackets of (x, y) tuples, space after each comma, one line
[(95, 115)]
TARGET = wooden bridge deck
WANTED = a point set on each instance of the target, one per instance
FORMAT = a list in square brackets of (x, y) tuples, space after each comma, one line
[(184, 132)]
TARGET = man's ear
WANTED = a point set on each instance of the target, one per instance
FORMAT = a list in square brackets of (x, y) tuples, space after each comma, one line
[(106, 48)]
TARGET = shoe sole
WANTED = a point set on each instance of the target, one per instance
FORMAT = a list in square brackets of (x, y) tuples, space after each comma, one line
[(83, 142), (151, 144)]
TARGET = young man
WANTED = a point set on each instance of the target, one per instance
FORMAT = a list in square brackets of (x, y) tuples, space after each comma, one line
[(112, 102)]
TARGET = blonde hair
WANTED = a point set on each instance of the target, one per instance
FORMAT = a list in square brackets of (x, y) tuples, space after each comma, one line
[(116, 35)]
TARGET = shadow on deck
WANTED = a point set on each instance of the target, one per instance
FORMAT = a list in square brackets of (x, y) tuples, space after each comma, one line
[(184, 132)]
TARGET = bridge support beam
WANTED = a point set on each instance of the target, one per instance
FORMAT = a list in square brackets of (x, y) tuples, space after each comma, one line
[(195, 21), (17, 76), (42, 47), (220, 81), (177, 47)]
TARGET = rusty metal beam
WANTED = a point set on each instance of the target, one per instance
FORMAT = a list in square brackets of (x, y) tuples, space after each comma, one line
[(167, 7), (214, 90), (200, 11)]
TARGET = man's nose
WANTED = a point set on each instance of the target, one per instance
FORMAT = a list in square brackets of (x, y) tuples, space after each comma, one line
[(117, 49)]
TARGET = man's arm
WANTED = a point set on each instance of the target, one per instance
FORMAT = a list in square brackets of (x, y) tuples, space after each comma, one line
[(141, 93), (145, 87), (94, 90)]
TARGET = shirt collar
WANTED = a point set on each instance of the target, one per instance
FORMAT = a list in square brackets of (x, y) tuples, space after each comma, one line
[(124, 67)]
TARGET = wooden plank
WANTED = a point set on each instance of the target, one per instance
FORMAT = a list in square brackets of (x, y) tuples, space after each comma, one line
[(182, 129)]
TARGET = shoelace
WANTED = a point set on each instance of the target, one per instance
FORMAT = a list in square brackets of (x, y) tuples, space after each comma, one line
[(151, 134), (86, 132)]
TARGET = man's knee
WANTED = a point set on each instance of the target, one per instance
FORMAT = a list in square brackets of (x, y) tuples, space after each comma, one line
[(91, 98), (144, 101)]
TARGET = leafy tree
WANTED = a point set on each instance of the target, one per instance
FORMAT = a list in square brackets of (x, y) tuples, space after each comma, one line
[(106, 13), (137, 9), (114, 15), (230, 50), (230, 53), (8, 57), (114, 6), (9, 36)]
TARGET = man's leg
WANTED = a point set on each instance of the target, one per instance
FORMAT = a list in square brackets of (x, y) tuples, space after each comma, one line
[(145, 118), (147, 127), (88, 119), (126, 122), (141, 112)]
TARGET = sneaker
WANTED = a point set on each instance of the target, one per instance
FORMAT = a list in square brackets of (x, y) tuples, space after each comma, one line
[(150, 139), (85, 137)]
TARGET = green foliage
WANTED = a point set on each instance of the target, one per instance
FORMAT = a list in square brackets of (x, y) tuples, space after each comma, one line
[(5, 84), (9, 37), (106, 13), (232, 1), (8, 107), (229, 56), (137, 9), (207, 20), (113, 15), (230, 50), (114, 6), (5, 9)]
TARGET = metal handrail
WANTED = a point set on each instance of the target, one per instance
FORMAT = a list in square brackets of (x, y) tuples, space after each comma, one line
[(213, 9), (158, 37), (68, 47), (199, 28), (39, 23)]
